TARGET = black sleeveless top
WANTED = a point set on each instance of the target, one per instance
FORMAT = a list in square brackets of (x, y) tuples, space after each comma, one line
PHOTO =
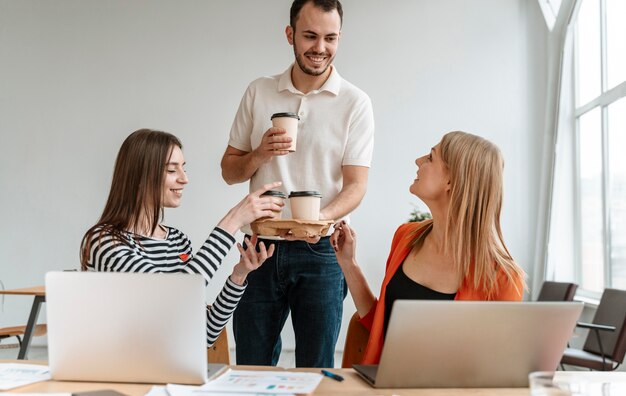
[(401, 287)]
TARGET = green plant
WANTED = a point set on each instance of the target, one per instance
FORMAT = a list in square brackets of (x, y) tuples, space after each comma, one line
[(418, 215)]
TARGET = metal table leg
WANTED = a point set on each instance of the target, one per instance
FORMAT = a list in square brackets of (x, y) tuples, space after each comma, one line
[(30, 326)]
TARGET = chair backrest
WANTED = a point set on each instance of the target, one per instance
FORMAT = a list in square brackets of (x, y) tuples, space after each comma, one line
[(611, 311), (356, 341), (557, 291), (219, 352)]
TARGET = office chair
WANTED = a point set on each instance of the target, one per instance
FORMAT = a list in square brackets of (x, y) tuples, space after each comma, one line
[(356, 341), (605, 345), (18, 332), (219, 352), (557, 291)]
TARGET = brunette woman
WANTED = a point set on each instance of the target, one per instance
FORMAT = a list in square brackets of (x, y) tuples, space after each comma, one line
[(149, 176)]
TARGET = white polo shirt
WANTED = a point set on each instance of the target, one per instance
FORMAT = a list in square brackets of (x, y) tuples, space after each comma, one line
[(336, 128)]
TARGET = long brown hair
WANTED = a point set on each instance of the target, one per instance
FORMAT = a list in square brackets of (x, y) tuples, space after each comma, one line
[(136, 188), (473, 236)]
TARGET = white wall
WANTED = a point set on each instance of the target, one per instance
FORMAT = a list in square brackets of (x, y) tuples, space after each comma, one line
[(76, 77)]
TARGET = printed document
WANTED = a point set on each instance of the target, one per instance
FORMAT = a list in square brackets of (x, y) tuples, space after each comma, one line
[(13, 375), (252, 382)]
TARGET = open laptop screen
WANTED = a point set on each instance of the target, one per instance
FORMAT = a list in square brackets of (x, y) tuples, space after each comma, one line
[(126, 327)]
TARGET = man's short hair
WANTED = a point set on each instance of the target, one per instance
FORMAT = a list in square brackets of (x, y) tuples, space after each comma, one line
[(326, 5)]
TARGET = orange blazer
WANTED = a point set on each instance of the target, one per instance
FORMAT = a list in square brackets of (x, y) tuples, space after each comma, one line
[(400, 248)]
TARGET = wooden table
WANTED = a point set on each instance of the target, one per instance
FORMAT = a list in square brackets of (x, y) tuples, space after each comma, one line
[(352, 385), (40, 297)]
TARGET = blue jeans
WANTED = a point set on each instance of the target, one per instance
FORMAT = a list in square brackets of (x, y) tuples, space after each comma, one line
[(304, 279)]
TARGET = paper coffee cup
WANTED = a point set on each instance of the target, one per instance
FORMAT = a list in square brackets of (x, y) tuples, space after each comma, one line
[(289, 122), (278, 194), (305, 205)]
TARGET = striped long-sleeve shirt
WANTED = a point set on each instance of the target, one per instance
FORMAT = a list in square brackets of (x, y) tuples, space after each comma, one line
[(169, 255)]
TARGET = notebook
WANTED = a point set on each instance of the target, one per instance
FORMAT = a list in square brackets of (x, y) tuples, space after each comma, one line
[(462, 344), (126, 327)]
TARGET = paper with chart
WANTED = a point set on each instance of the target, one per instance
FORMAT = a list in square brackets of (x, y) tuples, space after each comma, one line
[(255, 382)]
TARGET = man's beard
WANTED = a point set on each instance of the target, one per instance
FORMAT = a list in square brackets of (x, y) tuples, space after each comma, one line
[(304, 68)]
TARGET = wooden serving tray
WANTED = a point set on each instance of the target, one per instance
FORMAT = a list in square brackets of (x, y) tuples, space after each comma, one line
[(298, 228)]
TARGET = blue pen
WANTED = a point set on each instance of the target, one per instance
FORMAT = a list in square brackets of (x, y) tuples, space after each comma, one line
[(334, 376)]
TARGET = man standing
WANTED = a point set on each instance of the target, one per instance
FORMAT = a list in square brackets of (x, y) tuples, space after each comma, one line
[(334, 151)]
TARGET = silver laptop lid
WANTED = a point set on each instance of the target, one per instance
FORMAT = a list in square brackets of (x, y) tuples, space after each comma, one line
[(122, 327), (450, 344)]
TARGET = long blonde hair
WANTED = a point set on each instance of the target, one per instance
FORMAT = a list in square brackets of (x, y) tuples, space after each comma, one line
[(473, 236)]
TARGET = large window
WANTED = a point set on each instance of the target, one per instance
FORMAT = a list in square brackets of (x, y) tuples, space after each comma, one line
[(600, 82)]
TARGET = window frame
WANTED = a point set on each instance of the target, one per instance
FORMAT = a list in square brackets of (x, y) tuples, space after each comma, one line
[(605, 98)]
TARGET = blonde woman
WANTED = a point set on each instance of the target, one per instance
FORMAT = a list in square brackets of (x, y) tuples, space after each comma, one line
[(458, 255)]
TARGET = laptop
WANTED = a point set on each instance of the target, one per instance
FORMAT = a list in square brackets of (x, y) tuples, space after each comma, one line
[(463, 344), (126, 327)]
